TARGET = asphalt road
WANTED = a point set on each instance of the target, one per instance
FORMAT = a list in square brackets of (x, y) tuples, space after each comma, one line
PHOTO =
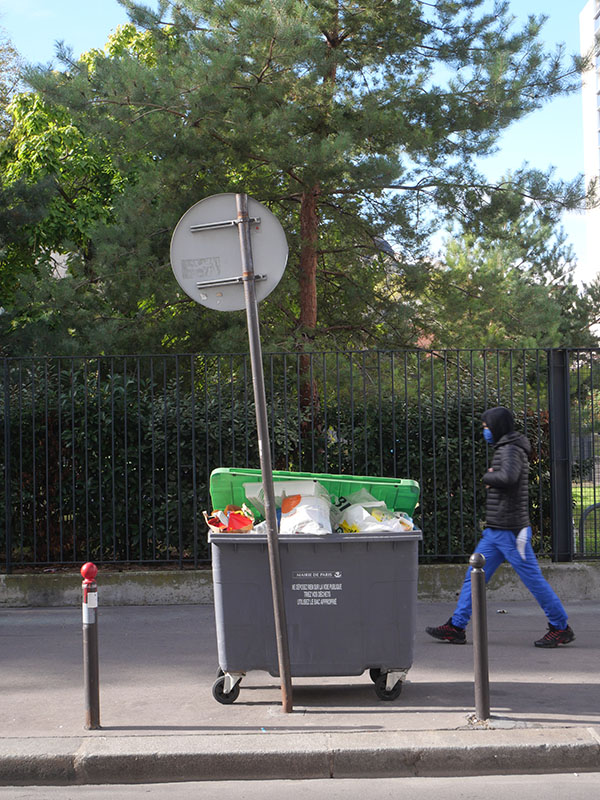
[(581, 786)]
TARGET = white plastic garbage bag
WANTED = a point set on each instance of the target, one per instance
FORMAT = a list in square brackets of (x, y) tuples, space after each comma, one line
[(360, 512), (255, 492), (305, 514), (304, 505)]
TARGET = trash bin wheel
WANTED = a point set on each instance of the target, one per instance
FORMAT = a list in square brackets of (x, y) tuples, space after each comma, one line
[(374, 673), (220, 695), (387, 694)]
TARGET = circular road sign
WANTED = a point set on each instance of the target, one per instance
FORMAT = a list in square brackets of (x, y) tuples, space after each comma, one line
[(206, 257)]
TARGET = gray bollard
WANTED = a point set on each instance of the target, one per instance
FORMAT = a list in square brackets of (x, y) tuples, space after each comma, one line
[(480, 639), (90, 647)]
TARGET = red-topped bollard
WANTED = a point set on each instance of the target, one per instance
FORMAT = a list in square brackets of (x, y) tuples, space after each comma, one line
[(89, 609), (89, 572)]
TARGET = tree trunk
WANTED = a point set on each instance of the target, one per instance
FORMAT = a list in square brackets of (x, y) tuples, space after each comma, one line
[(309, 234)]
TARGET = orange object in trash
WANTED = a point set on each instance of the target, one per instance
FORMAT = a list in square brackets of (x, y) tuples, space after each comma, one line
[(288, 503), (233, 520)]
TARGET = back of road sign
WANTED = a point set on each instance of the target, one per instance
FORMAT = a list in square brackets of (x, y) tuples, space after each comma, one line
[(206, 257)]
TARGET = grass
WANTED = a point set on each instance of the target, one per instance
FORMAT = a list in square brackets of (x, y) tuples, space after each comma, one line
[(585, 495)]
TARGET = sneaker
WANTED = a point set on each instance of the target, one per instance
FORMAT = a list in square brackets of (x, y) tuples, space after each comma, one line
[(448, 632), (555, 636)]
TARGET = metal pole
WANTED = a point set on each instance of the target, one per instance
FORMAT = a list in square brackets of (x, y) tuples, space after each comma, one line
[(7, 482), (91, 681), (560, 455), (264, 448), (480, 639)]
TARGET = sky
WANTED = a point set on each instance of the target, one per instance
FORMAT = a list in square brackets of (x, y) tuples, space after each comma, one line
[(551, 136)]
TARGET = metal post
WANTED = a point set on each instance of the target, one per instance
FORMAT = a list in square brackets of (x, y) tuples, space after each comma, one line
[(90, 647), (264, 448), (480, 639), (7, 482), (560, 456)]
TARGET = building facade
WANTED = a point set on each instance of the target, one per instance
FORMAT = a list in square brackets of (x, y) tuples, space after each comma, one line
[(589, 27)]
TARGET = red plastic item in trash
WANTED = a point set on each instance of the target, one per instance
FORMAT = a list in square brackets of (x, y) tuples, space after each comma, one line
[(239, 522), (232, 520)]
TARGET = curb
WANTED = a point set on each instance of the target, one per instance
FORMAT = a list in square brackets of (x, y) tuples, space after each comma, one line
[(162, 759)]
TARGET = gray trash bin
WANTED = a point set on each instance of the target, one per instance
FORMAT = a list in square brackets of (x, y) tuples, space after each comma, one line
[(350, 602)]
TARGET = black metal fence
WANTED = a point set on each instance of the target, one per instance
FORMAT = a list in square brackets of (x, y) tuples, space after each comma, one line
[(108, 458), (584, 419)]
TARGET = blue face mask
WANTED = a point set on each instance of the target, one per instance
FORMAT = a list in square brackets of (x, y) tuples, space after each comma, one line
[(487, 435)]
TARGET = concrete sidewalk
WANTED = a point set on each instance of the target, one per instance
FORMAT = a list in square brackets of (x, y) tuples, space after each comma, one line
[(161, 723)]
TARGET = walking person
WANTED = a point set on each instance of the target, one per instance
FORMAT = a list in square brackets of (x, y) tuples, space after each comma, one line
[(507, 535)]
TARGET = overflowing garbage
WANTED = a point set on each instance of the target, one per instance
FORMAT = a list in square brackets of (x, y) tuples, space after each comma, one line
[(360, 511), (306, 507), (233, 519)]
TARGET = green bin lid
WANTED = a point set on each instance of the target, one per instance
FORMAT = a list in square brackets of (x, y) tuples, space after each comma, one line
[(227, 487)]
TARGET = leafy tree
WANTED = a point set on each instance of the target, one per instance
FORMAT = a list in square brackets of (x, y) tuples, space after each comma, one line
[(17, 205), (355, 122), (57, 184), (44, 142), (21, 208), (110, 212), (10, 66)]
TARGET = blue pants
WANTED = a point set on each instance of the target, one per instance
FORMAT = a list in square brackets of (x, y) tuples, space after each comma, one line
[(498, 546)]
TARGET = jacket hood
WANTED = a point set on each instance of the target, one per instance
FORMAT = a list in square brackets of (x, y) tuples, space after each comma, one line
[(502, 425), (500, 421), (517, 439)]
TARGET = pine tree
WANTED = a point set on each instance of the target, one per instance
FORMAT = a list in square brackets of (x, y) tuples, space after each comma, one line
[(508, 282), (355, 121)]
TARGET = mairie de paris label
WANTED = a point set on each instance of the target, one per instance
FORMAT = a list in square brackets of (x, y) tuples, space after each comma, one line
[(317, 587)]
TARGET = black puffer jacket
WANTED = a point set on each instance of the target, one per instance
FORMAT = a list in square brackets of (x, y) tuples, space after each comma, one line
[(507, 505)]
